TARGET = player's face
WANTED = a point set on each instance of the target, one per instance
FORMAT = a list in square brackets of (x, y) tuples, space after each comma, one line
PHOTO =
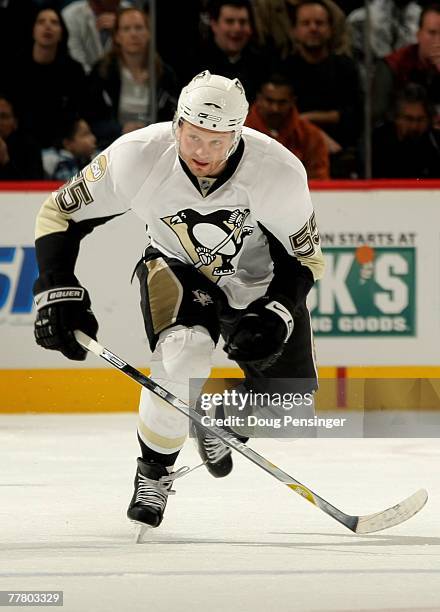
[(47, 29), (274, 104), (232, 30), (312, 28), (203, 151)]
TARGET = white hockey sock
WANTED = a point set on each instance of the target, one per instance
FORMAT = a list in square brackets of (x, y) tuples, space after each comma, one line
[(185, 360)]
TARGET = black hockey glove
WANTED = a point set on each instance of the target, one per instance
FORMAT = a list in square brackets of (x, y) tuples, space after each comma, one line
[(260, 334), (59, 312)]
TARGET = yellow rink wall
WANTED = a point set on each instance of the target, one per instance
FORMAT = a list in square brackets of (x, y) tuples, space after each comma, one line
[(107, 390)]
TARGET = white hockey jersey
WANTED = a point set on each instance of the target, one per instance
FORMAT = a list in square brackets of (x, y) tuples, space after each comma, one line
[(225, 229)]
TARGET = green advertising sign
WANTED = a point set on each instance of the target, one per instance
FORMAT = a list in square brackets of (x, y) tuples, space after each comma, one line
[(366, 291)]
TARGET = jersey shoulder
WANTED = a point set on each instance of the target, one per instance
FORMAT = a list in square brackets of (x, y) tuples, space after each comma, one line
[(272, 154), (132, 157)]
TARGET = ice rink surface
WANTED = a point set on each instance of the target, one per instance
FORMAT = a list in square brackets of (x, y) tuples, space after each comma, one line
[(244, 543)]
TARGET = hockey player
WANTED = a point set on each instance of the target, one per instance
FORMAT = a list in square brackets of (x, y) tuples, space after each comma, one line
[(233, 250)]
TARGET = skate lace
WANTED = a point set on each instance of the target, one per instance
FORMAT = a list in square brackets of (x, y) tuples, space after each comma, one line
[(215, 449), (155, 492)]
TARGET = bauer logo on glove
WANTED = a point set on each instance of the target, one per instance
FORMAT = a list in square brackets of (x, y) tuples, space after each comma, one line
[(59, 295), (60, 311)]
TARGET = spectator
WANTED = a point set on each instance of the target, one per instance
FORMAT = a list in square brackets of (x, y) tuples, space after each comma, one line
[(20, 157), (90, 24), (340, 41), (393, 24), (327, 85), (418, 63), (44, 81), (230, 50), (274, 113), (119, 99), (407, 146), (76, 149)]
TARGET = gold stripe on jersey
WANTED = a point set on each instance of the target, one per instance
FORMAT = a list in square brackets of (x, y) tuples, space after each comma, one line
[(314, 262), (165, 294), (150, 437), (50, 219)]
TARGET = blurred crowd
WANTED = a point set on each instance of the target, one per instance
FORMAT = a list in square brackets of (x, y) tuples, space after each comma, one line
[(352, 89)]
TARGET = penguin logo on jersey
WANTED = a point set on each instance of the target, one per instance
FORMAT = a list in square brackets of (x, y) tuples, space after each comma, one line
[(212, 240)]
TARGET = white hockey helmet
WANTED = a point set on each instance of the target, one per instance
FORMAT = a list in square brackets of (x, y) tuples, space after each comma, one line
[(213, 102)]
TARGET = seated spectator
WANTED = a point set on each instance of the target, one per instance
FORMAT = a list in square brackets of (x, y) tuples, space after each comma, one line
[(90, 24), (340, 41), (327, 85), (418, 63), (76, 149), (274, 113), (20, 157), (230, 50), (393, 24), (407, 146), (119, 92), (44, 81)]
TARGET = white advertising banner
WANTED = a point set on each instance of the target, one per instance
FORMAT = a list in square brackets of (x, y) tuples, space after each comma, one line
[(378, 304)]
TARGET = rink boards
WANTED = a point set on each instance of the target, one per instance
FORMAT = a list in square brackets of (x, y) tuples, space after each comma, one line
[(374, 314)]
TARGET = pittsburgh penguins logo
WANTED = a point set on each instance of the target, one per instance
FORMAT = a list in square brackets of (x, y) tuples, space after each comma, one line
[(213, 240)]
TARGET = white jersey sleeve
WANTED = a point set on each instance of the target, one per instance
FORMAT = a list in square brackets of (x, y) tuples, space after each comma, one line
[(285, 208), (101, 191)]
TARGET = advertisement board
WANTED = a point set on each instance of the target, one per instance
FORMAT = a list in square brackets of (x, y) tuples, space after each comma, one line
[(367, 292)]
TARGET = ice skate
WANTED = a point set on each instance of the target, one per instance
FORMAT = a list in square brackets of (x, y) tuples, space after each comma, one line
[(152, 485), (214, 453)]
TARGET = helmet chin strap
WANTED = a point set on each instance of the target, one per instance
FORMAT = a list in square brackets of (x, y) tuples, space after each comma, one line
[(234, 144), (222, 161)]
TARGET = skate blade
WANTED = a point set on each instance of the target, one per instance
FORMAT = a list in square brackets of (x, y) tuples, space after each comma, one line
[(140, 531)]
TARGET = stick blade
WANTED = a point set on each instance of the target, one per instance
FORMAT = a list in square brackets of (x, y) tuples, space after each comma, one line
[(392, 516)]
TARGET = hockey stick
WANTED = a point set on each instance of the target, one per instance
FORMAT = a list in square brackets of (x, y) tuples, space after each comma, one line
[(358, 524)]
